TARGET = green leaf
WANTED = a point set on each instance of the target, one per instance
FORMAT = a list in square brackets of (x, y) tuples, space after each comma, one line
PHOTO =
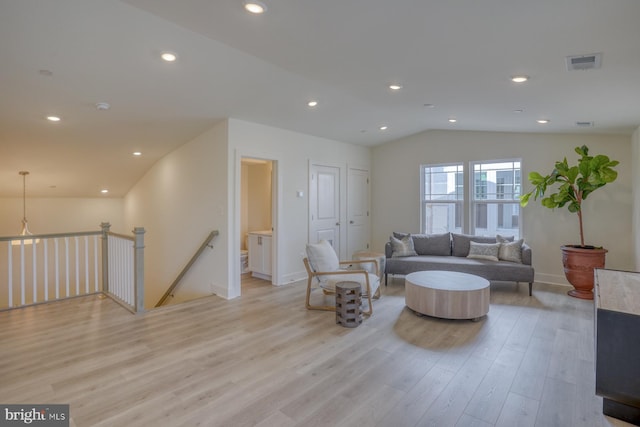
[(599, 161), (536, 179), (562, 167), (583, 151), (524, 199), (572, 174), (574, 207), (608, 175), (548, 203)]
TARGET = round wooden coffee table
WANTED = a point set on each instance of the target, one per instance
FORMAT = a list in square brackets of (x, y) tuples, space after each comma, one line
[(447, 294)]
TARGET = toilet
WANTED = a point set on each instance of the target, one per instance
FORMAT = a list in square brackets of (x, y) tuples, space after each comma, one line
[(244, 261)]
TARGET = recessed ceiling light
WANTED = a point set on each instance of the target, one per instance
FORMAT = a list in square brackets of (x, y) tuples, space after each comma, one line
[(137, 153), (102, 106), (384, 127), (453, 120), (519, 110), (256, 7), (543, 121), (104, 191), (519, 79), (53, 118), (169, 56), (429, 105), (312, 103), (395, 86)]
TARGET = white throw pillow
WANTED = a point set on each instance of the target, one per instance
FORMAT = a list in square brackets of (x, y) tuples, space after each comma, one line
[(488, 251), (402, 247), (510, 251), (322, 256)]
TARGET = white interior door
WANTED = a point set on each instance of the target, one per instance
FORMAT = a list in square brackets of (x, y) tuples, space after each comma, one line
[(357, 210), (324, 205)]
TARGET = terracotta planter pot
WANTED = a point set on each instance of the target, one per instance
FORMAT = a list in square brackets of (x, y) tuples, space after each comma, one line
[(579, 263)]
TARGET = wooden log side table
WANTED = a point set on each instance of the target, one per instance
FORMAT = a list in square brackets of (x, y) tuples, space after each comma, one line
[(348, 302), (447, 294)]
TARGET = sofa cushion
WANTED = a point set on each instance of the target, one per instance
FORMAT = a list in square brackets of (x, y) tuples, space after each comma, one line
[(510, 251), (402, 247), (490, 270), (460, 243), (488, 251), (430, 244)]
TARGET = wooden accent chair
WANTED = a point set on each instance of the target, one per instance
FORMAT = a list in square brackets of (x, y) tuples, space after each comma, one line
[(324, 271)]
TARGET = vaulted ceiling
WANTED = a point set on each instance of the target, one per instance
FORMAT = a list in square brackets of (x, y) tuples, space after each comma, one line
[(453, 59)]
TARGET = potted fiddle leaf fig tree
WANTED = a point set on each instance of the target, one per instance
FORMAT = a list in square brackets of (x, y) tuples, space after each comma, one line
[(571, 185)]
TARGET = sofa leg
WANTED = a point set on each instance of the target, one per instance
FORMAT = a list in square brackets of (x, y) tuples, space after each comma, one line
[(530, 287), (385, 279)]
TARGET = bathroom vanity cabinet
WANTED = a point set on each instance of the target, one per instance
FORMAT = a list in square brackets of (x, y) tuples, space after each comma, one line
[(260, 254)]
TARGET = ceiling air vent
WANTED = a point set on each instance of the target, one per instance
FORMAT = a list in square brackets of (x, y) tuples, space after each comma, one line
[(584, 124), (584, 62)]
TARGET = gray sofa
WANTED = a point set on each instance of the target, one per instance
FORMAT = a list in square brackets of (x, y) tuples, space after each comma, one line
[(449, 252)]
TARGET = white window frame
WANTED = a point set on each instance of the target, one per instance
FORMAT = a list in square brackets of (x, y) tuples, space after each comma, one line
[(468, 203), (473, 203), (424, 201)]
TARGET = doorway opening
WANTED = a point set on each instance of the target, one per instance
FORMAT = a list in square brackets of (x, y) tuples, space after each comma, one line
[(256, 222)]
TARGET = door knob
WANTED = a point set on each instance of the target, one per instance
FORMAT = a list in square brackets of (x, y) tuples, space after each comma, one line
[(337, 223)]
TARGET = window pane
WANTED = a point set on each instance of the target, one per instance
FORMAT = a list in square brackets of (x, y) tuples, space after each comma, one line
[(495, 199), (481, 217), (497, 181), (443, 198), (443, 182), (442, 217), (508, 219), (497, 218)]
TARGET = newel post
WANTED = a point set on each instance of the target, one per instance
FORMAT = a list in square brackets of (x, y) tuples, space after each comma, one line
[(105, 255), (138, 268)]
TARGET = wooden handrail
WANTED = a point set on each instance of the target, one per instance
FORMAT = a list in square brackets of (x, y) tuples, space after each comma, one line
[(50, 235), (186, 268)]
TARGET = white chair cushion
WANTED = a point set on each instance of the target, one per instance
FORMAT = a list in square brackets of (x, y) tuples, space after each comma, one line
[(330, 281), (322, 257)]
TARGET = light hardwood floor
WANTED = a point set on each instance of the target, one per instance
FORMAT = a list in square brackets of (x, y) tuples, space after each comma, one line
[(263, 360)]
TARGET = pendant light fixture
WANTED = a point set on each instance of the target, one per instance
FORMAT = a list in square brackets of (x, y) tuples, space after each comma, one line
[(25, 226)]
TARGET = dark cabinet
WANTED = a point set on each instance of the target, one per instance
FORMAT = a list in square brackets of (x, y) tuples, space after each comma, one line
[(617, 338)]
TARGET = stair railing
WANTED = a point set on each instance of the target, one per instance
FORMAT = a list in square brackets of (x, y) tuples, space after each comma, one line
[(41, 268), (186, 268)]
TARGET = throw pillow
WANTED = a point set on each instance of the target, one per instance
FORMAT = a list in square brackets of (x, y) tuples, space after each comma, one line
[(402, 247), (322, 256), (504, 239), (488, 251), (510, 251), (460, 243)]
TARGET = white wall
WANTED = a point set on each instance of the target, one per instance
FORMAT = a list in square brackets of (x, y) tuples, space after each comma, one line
[(62, 215), (179, 201), (292, 151), (196, 189), (607, 213), (635, 230)]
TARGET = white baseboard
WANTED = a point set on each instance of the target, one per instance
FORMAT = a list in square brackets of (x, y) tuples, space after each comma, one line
[(293, 277), (552, 279)]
